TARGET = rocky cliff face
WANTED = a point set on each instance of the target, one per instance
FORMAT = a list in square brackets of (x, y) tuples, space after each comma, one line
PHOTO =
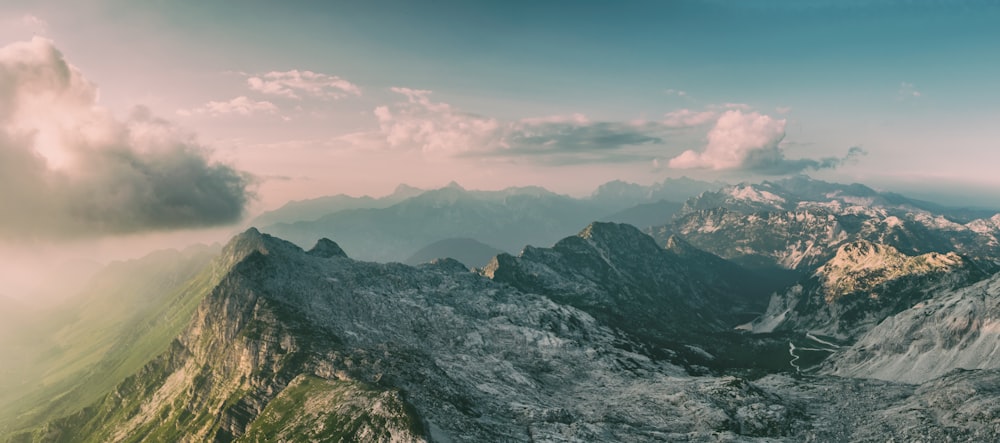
[(800, 224), (296, 342), (295, 345), (956, 329), (863, 284), (622, 277)]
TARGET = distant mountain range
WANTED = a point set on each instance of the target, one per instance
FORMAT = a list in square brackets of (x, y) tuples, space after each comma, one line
[(308, 210), (799, 223), (794, 310), (469, 251), (394, 228)]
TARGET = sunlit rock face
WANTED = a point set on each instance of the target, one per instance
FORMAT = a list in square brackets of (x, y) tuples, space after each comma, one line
[(800, 224), (863, 284), (955, 329)]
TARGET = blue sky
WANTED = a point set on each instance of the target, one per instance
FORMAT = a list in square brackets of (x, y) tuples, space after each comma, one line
[(566, 94)]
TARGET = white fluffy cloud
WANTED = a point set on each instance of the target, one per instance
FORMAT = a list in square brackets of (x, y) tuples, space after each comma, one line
[(69, 168), (684, 118), (241, 105), (736, 140), (751, 142), (436, 128), (440, 129), (297, 84)]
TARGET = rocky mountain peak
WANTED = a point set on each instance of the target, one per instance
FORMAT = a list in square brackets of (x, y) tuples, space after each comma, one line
[(327, 248), (244, 244), (404, 189), (861, 254), (755, 193), (251, 242), (862, 265), (679, 246), (606, 237)]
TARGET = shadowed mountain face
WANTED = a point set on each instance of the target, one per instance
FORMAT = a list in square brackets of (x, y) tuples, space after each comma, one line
[(646, 215), (618, 274)]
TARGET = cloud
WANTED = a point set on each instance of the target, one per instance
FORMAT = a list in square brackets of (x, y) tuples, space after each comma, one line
[(438, 128), (34, 22), (908, 91), (687, 118), (751, 142), (241, 105), (296, 84), (68, 168), (435, 128)]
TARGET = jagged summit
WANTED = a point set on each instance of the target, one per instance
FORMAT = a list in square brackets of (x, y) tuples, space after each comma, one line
[(250, 242), (404, 189), (327, 248), (244, 244), (679, 246), (615, 238), (862, 265)]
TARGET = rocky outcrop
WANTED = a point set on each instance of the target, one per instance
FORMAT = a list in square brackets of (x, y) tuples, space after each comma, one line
[(862, 285), (800, 223), (622, 277), (956, 329)]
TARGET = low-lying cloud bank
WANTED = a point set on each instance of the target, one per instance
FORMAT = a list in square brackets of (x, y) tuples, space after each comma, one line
[(68, 168)]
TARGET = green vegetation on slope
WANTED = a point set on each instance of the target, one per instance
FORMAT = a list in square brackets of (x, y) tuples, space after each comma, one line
[(127, 316)]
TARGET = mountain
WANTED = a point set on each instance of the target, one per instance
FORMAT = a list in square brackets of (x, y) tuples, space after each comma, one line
[(506, 219), (800, 223), (956, 329), (958, 406), (624, 194), (623, 278), (312, 209), (67, 356), (646, 215), (863, 284), (293, 345), (300, 345), (469, 251)]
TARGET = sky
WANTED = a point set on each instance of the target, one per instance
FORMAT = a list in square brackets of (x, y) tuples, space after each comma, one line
[(119, 118)]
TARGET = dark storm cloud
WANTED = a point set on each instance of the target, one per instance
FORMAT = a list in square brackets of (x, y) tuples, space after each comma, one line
[(70, 169)]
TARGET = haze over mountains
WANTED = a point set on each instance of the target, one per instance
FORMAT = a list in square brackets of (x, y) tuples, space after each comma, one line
[(395, 227), (792, 310)]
